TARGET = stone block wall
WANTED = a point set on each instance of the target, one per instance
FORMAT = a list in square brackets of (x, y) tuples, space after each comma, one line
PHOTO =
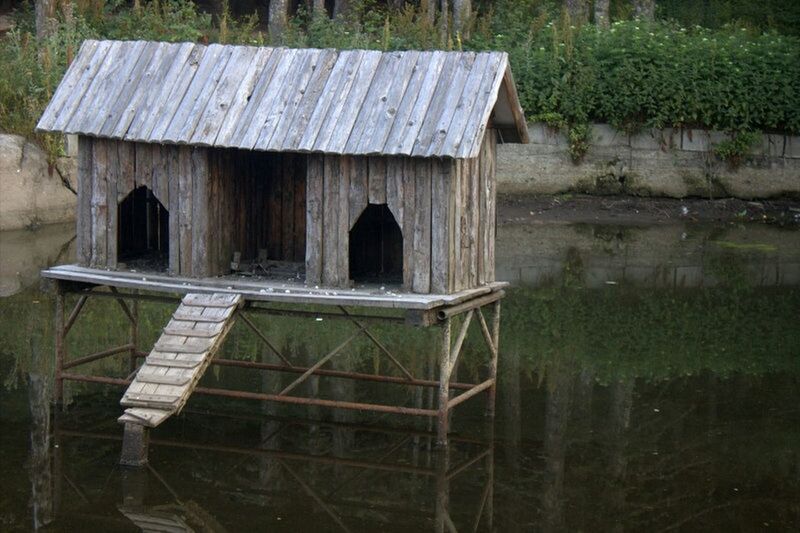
[(671, 162)]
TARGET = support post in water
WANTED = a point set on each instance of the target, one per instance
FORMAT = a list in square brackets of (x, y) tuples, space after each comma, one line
[(444, 384), (135, 444), (495, 352), (60, 345), (133, 333)]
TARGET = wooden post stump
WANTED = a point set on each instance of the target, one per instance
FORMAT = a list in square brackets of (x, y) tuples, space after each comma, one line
[(135, 443)]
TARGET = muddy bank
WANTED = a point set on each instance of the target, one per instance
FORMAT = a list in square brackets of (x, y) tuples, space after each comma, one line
[(577, 208)]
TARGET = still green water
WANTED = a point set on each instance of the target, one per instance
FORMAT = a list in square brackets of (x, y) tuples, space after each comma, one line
[(649, 381)]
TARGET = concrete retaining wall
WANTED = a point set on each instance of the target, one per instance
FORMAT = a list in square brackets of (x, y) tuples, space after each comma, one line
[(33, 193), (672, 162)]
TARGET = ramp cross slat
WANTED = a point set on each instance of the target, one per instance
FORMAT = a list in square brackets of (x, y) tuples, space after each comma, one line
[(179, 358)]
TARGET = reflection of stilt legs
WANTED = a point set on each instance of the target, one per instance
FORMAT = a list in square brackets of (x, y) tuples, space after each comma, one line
[(449, 465), (442, 520)]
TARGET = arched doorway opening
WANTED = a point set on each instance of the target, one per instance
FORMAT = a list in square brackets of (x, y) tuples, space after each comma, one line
[(143, 231), (376, 247)]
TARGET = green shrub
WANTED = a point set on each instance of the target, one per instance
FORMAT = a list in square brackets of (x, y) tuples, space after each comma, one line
[(33, 68), (779, 15), (734, 149), (637, 74), (633, 75)]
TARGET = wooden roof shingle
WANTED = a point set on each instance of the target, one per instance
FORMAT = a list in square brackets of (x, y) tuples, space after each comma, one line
[(357, 102)]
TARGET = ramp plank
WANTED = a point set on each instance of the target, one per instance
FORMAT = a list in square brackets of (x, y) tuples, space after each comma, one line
[(179, 358)]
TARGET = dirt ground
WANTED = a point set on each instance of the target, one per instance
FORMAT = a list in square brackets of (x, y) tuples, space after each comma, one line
[(575, 208)]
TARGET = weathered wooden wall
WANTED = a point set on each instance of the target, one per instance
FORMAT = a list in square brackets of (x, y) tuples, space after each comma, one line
[(219, 201), (260, 203), (295, 206), (445, 209), (178, 176)]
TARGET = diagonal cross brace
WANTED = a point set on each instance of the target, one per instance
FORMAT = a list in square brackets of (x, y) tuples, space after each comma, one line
[(319, 363), (380, 346), (263, 337), (462, 334), (486, 334)]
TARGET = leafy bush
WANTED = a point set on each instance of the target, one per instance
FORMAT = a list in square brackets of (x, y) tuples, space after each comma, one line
[(637, 74), (734, 149), (33, 68), (633, 75), (779, 15)]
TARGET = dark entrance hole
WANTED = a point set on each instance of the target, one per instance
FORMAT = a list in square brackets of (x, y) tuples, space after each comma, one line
[(376, 247), (143, 235)]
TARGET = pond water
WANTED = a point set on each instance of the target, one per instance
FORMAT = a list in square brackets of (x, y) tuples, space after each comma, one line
[(649, 380)]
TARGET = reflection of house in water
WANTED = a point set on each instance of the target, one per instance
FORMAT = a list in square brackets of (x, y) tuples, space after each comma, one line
[(667, 255), (294, 472)]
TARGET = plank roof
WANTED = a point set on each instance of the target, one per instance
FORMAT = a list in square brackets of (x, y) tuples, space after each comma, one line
[(356, 102)]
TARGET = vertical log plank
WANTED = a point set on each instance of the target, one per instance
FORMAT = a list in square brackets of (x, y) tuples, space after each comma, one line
[(465, 190), (173, 207), (483, 231), (409, 201), (200, 207), (359, 188), (458, 219), (314, 201), (491, 209), (330, 215), (127, 167), (377, 180), (143, 168), (113, 166), (452, 222), (161, 190), (185, 193), (440, 230), (474, 219), (394, 188), (343, 229), (100, 203), (422, 227), (84, 211)]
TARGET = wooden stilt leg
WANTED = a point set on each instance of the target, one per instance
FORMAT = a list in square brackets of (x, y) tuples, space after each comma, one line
[(135, 443), (490, 404), (133, 334), (444, 385), (60, 346)]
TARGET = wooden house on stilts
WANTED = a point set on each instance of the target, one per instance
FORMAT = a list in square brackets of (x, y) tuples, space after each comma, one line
[(220, 169)]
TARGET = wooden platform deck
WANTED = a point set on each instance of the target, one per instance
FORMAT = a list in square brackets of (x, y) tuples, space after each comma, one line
[(267, 289), (178, 360)]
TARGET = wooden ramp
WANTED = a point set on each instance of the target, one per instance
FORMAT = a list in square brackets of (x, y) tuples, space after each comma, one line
[(180, 357)]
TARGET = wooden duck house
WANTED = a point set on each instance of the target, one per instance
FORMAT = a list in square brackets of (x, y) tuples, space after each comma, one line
[(236, 177), (346, 167)]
